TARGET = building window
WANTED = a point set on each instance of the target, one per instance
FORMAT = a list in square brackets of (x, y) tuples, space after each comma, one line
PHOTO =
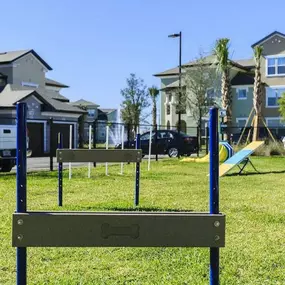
[(241, 122), (275, 66), (241, 93), (274, 122), (167, 109), (30, 84), (272, 96), (91, 112)]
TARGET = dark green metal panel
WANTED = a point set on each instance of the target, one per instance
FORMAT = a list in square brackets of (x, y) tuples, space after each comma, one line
[(110, 229), (99, 155)]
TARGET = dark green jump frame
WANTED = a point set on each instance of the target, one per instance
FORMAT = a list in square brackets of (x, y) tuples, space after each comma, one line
[(111, 229)]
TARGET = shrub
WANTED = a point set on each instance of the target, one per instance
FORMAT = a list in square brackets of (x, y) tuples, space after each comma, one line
[(268, 149)]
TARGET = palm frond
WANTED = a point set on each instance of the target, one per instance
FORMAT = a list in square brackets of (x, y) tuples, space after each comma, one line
[(257, 52), (153, 91), (221, 51)]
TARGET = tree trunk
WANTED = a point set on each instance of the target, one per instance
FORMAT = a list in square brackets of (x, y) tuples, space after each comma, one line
[(199, 128), (81, 130), (255, 128), (153, 112), (227, 102), (257, 100)]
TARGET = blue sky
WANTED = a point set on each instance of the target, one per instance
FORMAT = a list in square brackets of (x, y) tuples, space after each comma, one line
[(94, 45)]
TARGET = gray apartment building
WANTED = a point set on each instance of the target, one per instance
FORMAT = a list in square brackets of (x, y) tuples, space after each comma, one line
[(242, 80), (23, 79)]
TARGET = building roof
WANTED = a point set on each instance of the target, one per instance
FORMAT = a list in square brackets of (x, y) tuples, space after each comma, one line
[(275, 33), (11, 56), (12, 94), (9, 97), (61, 106), (243, 79), (51, 93), (108, 111), (246, 62), (51, 82), (56, 95), (102, 116), (173, 85), (208, 60), (168, 72), (85, 103)]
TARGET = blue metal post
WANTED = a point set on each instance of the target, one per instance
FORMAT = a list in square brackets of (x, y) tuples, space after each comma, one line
[(214, 190), (59, 146), (21, 186), (137, 182)]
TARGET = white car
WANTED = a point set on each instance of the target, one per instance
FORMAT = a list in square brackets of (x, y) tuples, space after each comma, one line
[(7, 147)]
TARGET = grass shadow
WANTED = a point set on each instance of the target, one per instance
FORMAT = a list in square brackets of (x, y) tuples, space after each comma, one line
[(256, 173), (131, 209)]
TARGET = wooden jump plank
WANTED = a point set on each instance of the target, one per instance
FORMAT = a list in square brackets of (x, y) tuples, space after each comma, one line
[(118, 229), (99, 155)]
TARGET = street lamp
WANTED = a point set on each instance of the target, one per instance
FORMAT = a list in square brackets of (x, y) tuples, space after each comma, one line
[(179, 96)]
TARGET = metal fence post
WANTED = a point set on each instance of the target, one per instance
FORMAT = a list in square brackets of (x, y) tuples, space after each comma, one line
[(155, 142), (51, 144), (60, 176), (198, 141), (207, 138), (214, 190), (129, 135), (94, 137), (21, 202), (137, 182)]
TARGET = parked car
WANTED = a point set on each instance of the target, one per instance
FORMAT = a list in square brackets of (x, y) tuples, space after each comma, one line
[(7, 147), (168, 142)]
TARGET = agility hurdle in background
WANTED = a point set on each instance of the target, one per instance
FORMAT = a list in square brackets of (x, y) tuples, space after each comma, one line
[(98, 155), (114, 229)]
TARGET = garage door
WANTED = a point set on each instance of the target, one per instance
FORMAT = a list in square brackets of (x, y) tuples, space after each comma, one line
[(64, 130), (36, 138)]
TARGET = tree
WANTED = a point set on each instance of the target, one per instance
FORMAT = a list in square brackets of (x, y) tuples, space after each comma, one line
[(281, 102), (153, 92), (201, 88), (136, 100), (257, 91), (222, 53)]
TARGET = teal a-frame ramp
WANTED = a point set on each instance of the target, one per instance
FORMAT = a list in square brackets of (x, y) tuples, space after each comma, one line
[(240, 157)]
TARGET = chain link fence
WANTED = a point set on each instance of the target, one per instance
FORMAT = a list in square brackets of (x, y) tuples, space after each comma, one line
[(43, 136)]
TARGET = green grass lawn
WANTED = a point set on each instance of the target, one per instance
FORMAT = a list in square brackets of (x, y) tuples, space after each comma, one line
[(255, 226)]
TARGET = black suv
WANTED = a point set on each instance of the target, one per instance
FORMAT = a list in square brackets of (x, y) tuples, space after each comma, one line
[(168, 142)]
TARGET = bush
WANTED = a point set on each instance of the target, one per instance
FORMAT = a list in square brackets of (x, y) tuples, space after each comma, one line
[(268, 149)]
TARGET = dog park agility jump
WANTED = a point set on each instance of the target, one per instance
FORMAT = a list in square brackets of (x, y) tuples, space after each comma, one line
[(98, 155), (113, 229)]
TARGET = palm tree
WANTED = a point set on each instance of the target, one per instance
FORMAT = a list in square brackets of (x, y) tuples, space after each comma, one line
[(153, 92), (222, 53), (257, 91)]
